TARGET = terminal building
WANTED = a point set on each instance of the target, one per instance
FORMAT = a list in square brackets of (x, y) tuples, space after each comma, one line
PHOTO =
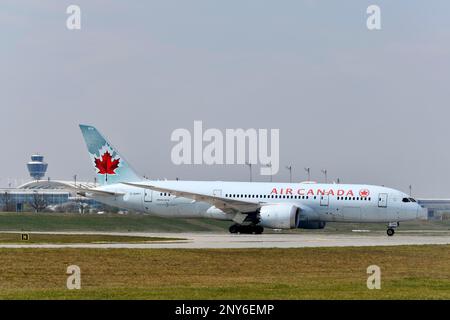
[(437, 208), (44, 194)]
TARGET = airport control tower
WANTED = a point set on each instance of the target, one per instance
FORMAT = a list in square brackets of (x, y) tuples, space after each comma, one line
[(37, 167)]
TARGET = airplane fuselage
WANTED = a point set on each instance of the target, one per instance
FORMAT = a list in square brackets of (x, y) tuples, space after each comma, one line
[(317, 202)]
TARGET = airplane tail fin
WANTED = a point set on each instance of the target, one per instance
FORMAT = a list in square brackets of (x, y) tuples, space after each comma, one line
[(109, 165)]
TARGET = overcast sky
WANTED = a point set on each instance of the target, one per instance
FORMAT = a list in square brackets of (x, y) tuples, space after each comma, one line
[(370, 106)]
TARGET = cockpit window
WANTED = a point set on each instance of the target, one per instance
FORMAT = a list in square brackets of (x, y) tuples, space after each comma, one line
[(412, 200), (405, 200)]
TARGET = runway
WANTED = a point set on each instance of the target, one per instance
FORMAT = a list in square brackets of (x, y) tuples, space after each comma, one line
[(229, 241)]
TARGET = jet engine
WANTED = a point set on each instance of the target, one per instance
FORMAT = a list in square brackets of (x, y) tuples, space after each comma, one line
[(279, 216)]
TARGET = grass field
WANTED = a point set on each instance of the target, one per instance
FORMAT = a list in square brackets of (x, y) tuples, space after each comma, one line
[(15, 238), (141, 223), (106, 222), (407, 272)]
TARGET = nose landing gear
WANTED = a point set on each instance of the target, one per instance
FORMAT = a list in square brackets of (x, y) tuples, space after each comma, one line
[(246, 229), (391, 228)]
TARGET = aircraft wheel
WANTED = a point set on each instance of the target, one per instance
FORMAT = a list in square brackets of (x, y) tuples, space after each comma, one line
[(259, 229), (390, 232), (234, 228)]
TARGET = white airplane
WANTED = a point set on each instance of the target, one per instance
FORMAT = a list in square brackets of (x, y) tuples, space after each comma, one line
[(252, 206)]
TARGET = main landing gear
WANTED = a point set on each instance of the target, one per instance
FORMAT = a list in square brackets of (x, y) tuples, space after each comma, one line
[(246, 229), (391, 228)]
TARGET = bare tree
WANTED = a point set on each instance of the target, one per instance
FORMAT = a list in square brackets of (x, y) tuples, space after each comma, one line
[(39, 203), (8, 204)]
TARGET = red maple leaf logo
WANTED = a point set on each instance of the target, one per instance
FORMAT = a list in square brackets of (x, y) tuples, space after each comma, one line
[(364, 193), (106, 165)]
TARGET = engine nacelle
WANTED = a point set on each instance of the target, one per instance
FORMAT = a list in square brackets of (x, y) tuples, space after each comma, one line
[(311, 224), (279, 216)]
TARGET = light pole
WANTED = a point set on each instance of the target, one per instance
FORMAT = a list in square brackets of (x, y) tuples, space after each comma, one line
[(250, 167), (75, 179), (410, 190), (289, 167), (308, 170), (324, 171)]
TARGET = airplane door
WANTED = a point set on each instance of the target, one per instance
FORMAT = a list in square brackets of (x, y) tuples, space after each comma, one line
[(324, 200), (382, 200), (217, 192), (148, 195)]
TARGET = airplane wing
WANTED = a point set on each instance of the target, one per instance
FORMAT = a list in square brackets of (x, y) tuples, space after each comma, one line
[(225, 204), (83, 191)]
